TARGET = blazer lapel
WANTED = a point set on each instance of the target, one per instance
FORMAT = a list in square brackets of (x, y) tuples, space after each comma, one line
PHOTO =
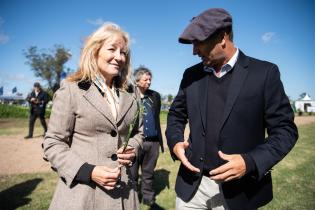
[(125, 102), (203, 95), (238, 77), (93, 96)]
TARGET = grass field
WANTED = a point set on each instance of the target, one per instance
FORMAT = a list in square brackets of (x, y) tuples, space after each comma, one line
[(293, 180), (17, 111)]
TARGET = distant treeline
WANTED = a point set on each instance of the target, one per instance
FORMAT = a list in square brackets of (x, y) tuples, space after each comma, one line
[(16, 111)]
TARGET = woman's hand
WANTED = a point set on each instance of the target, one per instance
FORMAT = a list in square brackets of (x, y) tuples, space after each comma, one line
[(125, 158), (106, 177)]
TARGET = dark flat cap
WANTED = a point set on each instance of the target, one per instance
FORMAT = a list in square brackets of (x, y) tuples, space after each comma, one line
[(205, 24), (36, 84)]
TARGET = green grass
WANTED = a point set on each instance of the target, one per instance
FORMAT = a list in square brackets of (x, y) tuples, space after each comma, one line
[(293, 181), (11, 111), (27, 191), (17, 111), (294, 177), (163, 116), (14, 126)]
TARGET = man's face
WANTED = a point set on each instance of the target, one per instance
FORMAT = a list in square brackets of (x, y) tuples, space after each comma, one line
[(36, 89), (210, 51), (144, 82)]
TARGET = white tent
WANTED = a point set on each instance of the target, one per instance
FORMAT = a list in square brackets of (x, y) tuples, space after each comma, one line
[(305, 104)]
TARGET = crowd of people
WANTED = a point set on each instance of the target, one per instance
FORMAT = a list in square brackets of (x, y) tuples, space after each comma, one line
[(105, 127)]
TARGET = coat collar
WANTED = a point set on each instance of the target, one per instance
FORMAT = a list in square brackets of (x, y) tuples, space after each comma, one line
[(239, 74), (95, 98), (238, 78), (126, 100), (203, 97)]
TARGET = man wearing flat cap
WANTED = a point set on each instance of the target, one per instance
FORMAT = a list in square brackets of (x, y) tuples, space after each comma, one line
[(229, 100)]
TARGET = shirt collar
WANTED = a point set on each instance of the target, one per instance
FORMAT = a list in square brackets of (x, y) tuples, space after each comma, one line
[(225, 68)]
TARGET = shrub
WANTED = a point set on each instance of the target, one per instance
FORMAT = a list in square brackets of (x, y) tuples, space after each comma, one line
[(16, 111)]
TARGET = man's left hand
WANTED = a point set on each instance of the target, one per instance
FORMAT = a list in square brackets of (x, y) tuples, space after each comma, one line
[(235, 168)]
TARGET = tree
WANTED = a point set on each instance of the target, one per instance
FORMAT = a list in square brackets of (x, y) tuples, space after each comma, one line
[(170, 98), (49, 66)]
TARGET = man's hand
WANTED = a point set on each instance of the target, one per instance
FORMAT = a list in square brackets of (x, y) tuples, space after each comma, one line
[(125, 158), (106, 177), (179, 151), (235, 168)]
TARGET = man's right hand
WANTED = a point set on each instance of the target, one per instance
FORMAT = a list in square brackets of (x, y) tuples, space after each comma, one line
[(179, 151)]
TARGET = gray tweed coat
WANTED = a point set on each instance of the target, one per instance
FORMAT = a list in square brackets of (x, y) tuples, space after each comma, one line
[(82, 129)]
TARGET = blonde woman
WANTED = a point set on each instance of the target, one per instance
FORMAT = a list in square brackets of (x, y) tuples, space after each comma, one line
[(89, 123)]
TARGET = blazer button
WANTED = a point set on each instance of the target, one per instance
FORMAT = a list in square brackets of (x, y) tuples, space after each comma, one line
[(201, 159), (203, 133), (113, 133)]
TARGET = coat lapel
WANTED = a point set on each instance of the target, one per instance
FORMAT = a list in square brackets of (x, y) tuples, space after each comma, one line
[(93, 96), (238, 77), (125, 102), (203, 95)]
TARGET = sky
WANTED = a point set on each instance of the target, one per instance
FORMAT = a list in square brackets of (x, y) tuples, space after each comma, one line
[(278, 31)]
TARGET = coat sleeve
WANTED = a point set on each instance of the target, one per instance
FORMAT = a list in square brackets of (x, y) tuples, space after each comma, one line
[(177, 119), (157, 110), (58, 137), (279, 120)]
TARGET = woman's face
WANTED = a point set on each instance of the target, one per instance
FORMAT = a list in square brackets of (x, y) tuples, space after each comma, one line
[(112, 57)]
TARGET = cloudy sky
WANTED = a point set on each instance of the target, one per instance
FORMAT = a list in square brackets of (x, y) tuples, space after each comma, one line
[(277, 31)]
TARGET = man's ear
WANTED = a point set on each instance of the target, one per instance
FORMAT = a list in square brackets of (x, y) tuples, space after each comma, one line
[(224, 40)]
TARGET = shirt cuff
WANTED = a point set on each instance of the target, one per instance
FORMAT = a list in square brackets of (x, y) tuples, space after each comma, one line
[(84, 173), (249, 162)]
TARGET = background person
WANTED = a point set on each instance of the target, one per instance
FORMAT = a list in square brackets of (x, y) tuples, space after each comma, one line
[(37, 99), (89, 122), (229, 100), (148, 155)]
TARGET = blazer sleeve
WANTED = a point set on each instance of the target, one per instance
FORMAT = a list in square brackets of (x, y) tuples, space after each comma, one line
[(157, 105), (58, 137), (279, 120), (177, 119)]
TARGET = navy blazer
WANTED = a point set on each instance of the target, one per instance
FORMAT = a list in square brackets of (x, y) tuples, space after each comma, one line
[(256, 102), (40, 106), (156, 99)]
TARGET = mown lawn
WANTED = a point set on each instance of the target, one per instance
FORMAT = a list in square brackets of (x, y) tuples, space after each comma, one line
[(293, 181), (16, 126)]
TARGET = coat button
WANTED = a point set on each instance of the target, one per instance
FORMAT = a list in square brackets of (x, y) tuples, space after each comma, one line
[(113, 133), (203, 133), (114, 157), (201, 159)]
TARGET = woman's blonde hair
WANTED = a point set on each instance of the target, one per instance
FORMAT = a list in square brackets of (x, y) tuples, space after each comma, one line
[(88, 59)]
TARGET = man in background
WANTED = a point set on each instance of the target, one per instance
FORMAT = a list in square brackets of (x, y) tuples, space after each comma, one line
[(148, 155), (37, 100)]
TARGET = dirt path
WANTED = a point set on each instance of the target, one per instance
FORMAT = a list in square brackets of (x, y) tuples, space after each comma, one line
[(18, 155)]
